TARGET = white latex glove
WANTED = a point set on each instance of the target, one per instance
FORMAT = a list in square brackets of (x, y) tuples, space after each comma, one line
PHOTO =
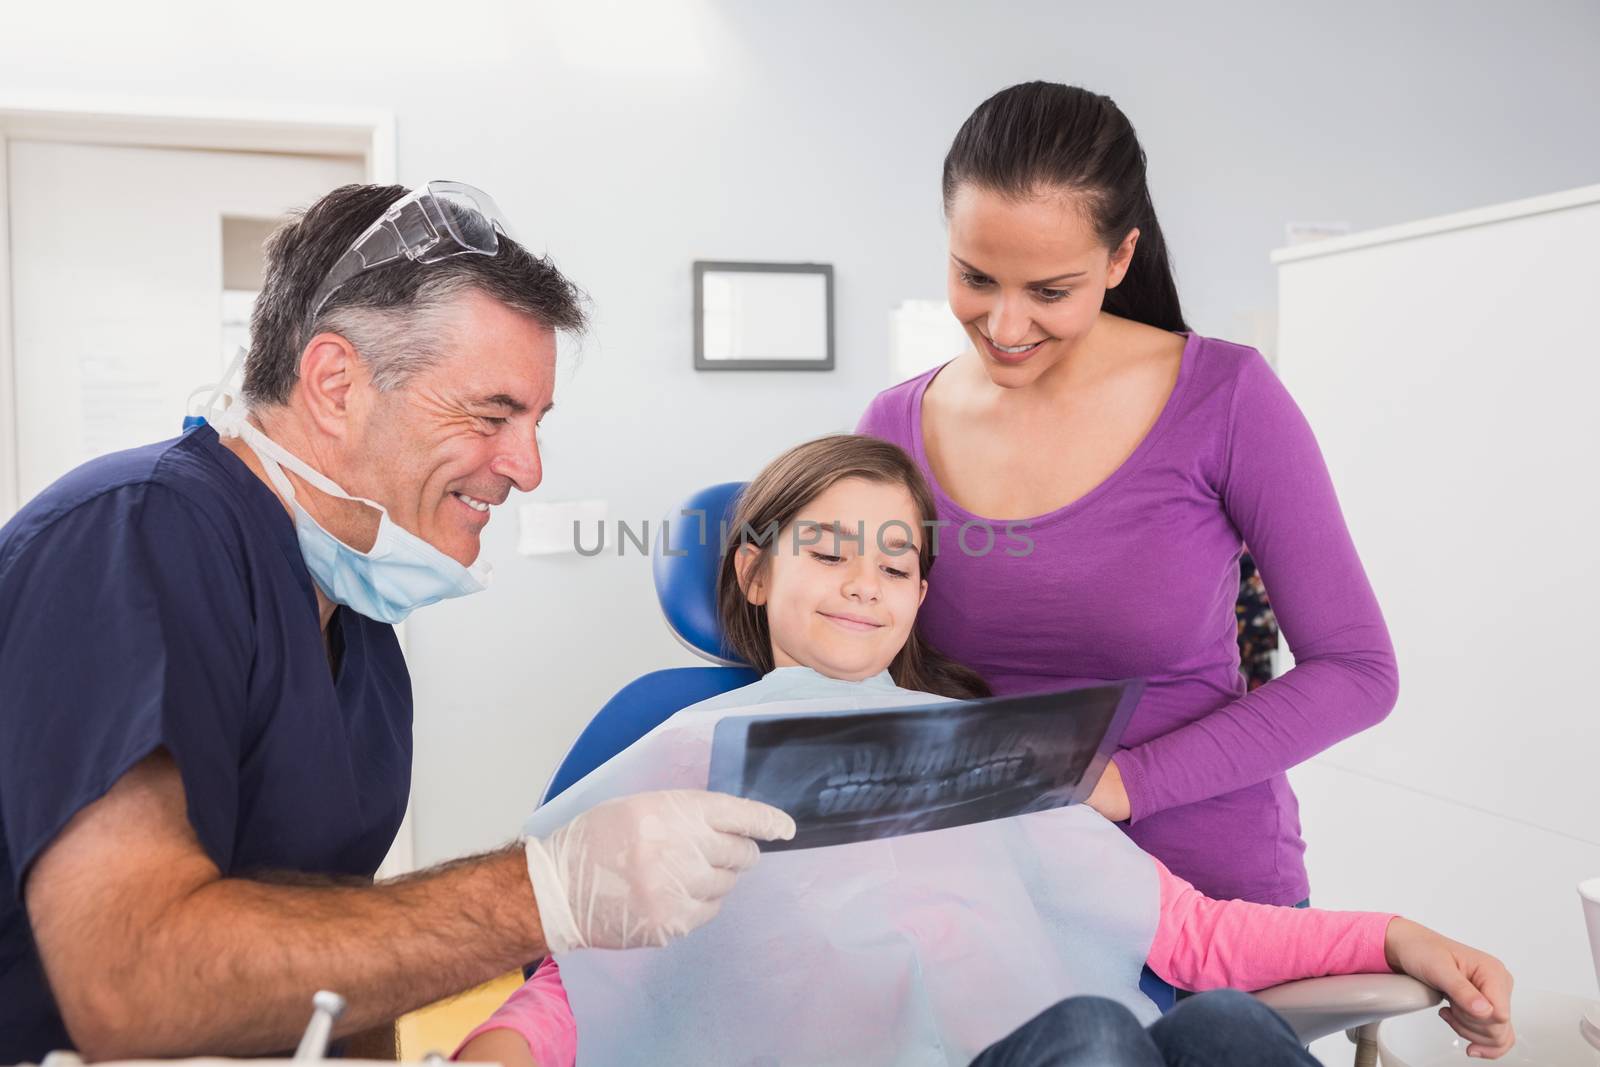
[(643, 869)]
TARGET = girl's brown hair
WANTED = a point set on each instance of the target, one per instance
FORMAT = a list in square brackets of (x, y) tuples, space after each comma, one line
[(773, 500)]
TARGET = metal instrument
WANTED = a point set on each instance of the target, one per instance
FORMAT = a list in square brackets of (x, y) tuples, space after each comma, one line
[(326, 1009)]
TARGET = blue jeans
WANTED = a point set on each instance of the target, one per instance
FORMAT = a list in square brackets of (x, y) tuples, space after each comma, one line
[(1220, 1028)]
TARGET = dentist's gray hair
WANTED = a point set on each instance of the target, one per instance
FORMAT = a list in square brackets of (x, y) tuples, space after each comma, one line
[(394, 316)]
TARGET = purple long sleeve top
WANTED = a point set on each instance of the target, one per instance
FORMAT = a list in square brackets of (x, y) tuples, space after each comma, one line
[(1138, 578)]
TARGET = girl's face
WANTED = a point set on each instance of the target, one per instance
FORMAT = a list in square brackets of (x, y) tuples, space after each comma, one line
[(1027, 278), (843, 581)]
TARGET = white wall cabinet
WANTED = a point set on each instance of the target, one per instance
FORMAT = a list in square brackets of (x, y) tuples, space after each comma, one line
[(1451, 370)]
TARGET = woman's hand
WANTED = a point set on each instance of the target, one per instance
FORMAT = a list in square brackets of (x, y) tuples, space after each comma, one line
[(1477, 985), (1110, 798)]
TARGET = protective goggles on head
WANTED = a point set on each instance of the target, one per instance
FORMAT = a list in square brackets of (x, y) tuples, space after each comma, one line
[(439, 220)]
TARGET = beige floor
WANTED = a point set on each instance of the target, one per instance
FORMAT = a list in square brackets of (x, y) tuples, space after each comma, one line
[(440, 1027)]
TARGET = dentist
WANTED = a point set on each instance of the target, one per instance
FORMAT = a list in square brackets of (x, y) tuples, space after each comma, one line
[(205, 717)]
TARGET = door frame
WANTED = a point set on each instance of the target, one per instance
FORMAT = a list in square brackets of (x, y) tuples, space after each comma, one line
[(192, 124)]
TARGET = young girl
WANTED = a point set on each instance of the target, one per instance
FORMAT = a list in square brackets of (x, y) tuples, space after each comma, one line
[(928, 948)]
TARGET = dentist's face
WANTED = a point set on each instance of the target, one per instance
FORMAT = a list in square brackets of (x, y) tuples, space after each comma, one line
[(1027, 278), (840, 604), (449, 444)]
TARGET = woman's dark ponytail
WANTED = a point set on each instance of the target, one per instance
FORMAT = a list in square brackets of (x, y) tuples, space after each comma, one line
[(1039, 136)]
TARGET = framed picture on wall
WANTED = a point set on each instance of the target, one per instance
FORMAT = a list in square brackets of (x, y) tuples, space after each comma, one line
[(763, 316)]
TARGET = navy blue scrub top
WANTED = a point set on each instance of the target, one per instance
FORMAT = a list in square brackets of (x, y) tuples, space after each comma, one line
[(157, 599)]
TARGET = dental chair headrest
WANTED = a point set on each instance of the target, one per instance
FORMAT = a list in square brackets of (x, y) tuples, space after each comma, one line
[(688, 553)]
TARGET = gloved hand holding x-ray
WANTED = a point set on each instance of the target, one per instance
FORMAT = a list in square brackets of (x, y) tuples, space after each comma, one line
[(640, 870)]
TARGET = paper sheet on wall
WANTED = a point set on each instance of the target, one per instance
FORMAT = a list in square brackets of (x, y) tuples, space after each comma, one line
[(123, 403)]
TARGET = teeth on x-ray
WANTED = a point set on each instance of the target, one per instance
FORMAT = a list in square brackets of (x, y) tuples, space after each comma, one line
[(875, 764), (871, 781)]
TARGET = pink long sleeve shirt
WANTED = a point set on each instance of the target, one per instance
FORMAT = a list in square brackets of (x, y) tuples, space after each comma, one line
[(1200, 943)]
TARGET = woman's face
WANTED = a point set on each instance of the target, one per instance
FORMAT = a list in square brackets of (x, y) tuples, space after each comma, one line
[(1027, 278), (843, 581)]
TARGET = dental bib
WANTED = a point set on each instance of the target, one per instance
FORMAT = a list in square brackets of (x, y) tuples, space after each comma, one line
[(918, 950)]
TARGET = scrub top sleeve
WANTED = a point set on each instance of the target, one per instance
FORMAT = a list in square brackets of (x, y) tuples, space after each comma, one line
[(127, 629)]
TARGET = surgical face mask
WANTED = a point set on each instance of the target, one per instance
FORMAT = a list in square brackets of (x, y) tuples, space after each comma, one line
[(399, 574)]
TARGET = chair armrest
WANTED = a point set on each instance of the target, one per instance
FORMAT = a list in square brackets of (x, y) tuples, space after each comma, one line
[(1317, 1007)]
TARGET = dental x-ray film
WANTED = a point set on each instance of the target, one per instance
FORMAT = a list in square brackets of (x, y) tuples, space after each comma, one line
[(859, 775)]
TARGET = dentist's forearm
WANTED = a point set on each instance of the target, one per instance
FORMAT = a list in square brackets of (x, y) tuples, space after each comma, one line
[(231, 968), (150, 953)]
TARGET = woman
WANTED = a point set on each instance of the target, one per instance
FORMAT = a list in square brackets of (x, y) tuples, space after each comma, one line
[(1136, 458)]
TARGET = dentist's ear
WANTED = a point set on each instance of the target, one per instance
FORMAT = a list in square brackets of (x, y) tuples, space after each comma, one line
[(746, 564), (329, 367)]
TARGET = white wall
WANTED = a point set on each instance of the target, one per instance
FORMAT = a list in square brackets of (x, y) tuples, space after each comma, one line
[(630, 139)]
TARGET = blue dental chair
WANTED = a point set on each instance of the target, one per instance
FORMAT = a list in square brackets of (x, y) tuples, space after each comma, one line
[(685, 560)]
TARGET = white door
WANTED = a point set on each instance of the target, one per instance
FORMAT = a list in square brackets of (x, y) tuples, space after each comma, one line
[(118, 270)]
